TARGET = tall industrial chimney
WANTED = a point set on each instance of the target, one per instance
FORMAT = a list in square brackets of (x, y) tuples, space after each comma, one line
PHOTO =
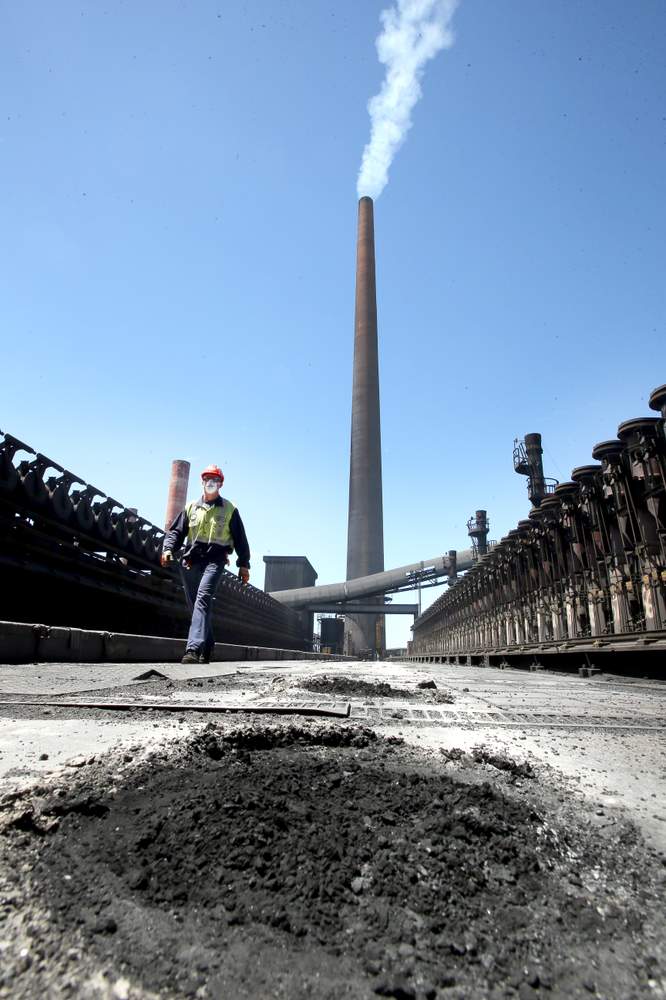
[(180, 476), (365, 536)]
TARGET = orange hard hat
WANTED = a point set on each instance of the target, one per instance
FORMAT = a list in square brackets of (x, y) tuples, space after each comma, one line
[(212, 470)]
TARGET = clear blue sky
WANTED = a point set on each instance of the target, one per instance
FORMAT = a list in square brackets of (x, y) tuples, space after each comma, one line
[(177, 271)]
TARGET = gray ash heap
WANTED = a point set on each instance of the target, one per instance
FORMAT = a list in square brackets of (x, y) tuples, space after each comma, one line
[(351, 687), (323, 861), (347, 687)]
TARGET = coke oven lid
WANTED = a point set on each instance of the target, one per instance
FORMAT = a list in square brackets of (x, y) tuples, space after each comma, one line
[(584, 473), (566, 489), (657, 398), (606, 448), (639, 425)]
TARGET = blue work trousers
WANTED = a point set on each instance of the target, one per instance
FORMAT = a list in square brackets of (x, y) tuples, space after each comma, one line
[(200, 583)]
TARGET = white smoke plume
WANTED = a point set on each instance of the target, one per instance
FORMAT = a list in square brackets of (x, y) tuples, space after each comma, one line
[(414, 31)]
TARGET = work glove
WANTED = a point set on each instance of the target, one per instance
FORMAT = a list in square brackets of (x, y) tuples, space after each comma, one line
[(166, 557), (244, 574)]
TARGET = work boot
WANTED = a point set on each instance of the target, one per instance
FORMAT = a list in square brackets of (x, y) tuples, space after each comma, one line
[(204, 657), (191, 656)]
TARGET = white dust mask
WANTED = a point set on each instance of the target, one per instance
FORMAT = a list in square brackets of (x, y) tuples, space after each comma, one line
[(211, 486)]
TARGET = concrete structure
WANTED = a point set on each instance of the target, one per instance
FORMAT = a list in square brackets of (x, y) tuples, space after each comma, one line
[(177, 498), (291, 573), (332, 634), (365, 538), (288, 573), (27, 643)]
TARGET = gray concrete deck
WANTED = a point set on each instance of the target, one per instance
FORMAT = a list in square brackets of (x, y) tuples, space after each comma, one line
[(603, 737)]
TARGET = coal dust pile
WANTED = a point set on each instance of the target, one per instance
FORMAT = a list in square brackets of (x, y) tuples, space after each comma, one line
[(300, 862), (350, 687)]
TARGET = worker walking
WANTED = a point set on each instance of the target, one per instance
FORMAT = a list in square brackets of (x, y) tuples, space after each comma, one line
[(210, 529)]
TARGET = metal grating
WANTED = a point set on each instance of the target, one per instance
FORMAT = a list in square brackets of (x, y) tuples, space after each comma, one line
[(507, 719)]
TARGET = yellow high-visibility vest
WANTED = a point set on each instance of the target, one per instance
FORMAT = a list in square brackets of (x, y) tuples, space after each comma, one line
[(210, 525)]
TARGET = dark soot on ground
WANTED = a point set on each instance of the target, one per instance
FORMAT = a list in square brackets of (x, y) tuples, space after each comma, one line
[(302, 862), (347, 687)]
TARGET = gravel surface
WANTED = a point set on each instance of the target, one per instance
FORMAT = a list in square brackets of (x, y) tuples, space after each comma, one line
[(319, 860)]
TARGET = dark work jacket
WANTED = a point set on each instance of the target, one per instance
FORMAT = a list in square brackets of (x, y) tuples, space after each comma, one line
[(201, 551)]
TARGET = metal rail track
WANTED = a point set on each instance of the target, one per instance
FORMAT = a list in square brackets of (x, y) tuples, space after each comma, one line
[(630, 653), (334, 711)]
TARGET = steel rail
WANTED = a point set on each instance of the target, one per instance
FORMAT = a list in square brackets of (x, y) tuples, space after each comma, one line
[(165, 706)]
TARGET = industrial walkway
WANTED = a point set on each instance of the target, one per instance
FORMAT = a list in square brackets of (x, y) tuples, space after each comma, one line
[(368, 829), (603, 737)]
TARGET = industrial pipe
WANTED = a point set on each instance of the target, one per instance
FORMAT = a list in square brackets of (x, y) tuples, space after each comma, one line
[(375, 583)]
